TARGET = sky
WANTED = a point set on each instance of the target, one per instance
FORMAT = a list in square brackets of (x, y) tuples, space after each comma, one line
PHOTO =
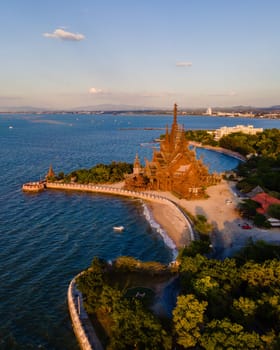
[(66, 54)]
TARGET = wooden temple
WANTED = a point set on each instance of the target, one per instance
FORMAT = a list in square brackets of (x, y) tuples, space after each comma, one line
[(174, 167)]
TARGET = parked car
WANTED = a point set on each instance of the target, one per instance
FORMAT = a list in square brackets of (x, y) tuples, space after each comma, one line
[(246, 227)]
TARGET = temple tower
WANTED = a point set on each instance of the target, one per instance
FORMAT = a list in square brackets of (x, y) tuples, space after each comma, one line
[(50, 173), (173, 167), (174, 127), (175, 114), (136, 166)]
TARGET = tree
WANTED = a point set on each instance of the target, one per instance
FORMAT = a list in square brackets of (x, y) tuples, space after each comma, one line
[(244, 310), (204, 285), (223, 334), (136, 328), (238, 142), (248, 208), (101, 173), (188, 318), (196, 247), (274, 211), (202, 136), (109, 298), (202, 226), (91, 283), (258, 251), (261, 221)]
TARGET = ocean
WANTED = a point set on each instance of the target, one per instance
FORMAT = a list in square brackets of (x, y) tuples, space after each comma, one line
[(47, 238)]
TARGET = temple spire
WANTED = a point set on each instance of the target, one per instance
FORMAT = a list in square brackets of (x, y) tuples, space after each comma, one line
[(174, 127), (175, 114), (50, 173), (136, 165)]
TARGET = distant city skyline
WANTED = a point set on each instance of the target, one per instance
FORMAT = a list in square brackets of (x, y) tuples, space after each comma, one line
[(200, 53)]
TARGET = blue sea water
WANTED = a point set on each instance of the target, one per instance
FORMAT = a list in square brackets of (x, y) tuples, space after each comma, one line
[(48, 238)]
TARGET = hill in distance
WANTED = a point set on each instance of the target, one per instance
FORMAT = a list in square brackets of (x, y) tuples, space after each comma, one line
[(132, 108)]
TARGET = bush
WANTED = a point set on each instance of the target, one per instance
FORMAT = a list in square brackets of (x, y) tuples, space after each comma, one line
[(274, 211), (260, 221), (201, 226)]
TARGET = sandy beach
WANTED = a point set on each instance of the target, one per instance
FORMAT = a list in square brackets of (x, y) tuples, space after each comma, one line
[(220, 210), (171, 221)]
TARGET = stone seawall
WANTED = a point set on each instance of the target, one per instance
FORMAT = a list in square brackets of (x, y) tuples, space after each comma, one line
[(126, 193), (82, 326)]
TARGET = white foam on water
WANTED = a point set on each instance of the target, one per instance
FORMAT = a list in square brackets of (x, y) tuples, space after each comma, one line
[(167, 240)]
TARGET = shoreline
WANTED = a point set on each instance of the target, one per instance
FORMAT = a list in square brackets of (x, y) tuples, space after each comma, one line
[(221, 150), (171, 222), (220, 209), (164, 210)]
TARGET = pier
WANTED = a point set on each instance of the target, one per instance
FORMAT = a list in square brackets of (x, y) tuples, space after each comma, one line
[(36, 186)]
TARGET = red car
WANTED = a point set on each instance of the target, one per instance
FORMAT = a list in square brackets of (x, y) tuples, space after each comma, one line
[(246, 227)]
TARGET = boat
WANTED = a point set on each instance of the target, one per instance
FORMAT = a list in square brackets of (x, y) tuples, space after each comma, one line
[(118, 228)]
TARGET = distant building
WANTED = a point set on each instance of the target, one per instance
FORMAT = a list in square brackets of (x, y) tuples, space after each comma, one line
[(173, 168), (209, 111), (226, 130)]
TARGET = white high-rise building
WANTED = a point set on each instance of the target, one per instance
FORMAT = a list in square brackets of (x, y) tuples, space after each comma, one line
[(209, 111)]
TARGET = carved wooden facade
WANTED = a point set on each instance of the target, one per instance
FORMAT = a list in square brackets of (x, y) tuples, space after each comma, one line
[(174, 167)]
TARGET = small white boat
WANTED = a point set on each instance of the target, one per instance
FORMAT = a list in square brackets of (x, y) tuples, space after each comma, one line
[(118, 228)]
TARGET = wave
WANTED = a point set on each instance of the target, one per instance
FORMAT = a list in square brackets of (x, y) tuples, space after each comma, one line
[(156, 226)]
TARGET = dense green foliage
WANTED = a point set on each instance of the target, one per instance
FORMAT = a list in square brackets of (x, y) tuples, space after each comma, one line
[(274, 211), (238, 299), (202, 136), (260, 171), (265, 144), (111, 293), (259, 252), (100, 173), (231, 304), (202, 226)]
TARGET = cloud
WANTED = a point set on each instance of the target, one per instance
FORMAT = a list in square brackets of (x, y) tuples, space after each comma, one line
[(183, 64), (64, 35), (95, 91)]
